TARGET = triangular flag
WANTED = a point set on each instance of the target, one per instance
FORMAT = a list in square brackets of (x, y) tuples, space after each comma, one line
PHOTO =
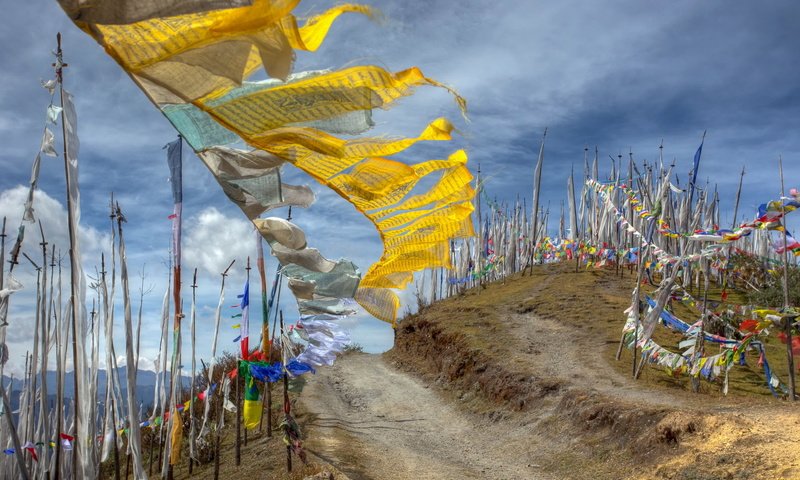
[(32, 450), (66, 441)]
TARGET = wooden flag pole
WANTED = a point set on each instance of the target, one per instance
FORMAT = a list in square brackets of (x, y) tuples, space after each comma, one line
[(738, 196), (247, 269), (192, 444), (238, 446)]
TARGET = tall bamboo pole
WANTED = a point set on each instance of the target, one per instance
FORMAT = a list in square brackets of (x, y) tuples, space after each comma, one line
[(14, 437), (220, 411), (537, 183), (700, 340), (73, 262), (738, 196), (110, 403), (60, 344), (50, 315), (134, 435), (32, 366), (43, 427), (36, 336), (573, 212)]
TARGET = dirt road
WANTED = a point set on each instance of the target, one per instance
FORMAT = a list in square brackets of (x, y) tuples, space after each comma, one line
[(374, 422)]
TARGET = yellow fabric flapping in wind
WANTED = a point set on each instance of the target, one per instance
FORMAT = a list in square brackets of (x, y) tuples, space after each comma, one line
[(257, 112), (201, 56), (310, 36), (115, 12), (208, 53), (380, 302), (323, 156)]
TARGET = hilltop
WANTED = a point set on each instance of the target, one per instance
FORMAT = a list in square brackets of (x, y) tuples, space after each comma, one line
[(519, 380)]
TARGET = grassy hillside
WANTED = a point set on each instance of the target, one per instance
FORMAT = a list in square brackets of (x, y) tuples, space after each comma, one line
[(540, 349)]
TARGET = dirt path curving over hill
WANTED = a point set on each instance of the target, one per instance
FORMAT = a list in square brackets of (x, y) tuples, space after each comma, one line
[(519, 381), (373, 421)]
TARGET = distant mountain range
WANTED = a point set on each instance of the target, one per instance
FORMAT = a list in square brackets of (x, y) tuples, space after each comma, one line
[(145, 386)]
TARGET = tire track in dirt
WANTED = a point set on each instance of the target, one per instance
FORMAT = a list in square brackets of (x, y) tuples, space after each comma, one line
[(372, 421)]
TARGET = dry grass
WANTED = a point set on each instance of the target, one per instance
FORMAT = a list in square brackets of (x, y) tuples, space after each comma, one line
[(592, 301)]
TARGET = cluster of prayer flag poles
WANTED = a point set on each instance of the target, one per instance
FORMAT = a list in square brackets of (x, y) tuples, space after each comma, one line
[(657, 227)]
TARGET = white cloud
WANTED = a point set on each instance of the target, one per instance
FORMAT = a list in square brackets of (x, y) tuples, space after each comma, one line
[(213, 240), (145, 363), (53, 217)]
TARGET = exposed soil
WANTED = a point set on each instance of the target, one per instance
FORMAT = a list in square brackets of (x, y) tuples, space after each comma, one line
[(374, 421), (518, 380)]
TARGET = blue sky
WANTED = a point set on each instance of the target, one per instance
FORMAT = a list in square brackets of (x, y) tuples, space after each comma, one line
[(619, 75)]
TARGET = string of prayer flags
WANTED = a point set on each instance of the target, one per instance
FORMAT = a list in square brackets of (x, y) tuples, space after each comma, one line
[(791, 245), (768, 216), (193, 63)]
